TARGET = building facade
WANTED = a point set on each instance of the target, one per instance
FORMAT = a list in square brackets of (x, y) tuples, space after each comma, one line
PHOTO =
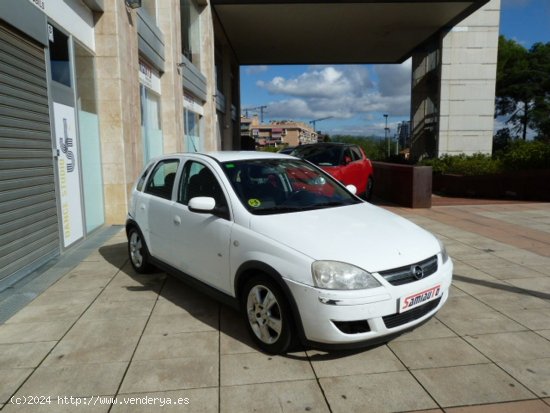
[(276, 133), (90, 91)]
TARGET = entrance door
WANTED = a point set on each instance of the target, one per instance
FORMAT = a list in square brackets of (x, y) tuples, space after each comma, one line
[(65, 137)]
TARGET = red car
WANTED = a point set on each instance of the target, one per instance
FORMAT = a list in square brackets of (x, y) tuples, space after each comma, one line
[(346, 162)]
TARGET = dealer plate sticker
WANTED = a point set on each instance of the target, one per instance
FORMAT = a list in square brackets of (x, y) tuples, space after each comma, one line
[(417, 299)]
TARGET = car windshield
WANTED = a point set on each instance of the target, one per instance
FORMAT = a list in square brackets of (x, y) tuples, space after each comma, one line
[(322, 155), (273, 186)]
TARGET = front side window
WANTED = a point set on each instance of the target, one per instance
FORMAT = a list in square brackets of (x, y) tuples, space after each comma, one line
[(199, 180), (279, 186), (162, 179), (356, 153)]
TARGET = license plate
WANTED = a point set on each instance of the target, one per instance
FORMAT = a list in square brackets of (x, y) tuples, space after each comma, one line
[(417, 299)]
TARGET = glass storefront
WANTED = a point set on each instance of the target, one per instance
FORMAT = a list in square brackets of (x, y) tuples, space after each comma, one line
[(90, 148), (151, 129)]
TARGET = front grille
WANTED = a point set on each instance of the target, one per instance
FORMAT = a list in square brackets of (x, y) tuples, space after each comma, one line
[(405, 275), (396, 320), (353, 327)]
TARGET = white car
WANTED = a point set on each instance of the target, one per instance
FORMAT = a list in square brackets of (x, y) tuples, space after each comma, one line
[(302, 256)]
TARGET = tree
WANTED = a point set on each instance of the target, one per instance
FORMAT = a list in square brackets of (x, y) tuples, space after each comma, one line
[(522, 87)]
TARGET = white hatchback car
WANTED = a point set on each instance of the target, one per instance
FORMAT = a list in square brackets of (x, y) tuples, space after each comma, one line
[(295, 250)]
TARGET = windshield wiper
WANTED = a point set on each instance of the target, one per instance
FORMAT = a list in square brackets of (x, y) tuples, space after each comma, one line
[(278, 208)]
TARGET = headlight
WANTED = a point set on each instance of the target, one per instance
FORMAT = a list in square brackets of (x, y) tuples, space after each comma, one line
[(444, 255), (334, 275)]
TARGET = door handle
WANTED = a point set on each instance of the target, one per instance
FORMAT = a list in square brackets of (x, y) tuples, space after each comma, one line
[(142, 207), (177, 220)]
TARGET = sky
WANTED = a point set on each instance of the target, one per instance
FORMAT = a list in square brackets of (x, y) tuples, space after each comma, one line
[(357, 96)]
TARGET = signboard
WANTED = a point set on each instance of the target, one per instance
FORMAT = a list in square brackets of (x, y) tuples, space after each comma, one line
[(149, 77), (68, 173)]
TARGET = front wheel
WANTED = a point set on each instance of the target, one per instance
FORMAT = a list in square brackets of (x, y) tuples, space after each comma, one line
[(137, 250), (268, 316)]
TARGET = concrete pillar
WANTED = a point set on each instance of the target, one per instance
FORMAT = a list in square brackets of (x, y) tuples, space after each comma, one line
[(169, 22), (118, 106)]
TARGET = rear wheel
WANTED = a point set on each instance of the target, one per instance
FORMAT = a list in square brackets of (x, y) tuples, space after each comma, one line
[(137, 250), (267, 313), (368, 189)]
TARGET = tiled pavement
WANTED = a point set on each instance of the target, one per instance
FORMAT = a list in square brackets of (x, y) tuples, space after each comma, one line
[(102, 330)]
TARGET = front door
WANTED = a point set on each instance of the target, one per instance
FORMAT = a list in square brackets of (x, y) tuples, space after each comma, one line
[(201, 241)]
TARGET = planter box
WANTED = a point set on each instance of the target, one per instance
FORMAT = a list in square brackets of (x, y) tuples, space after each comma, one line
[(526, 185), (406, 185)]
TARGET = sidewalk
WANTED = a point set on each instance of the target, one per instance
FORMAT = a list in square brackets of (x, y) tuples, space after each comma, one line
[(103, 330)]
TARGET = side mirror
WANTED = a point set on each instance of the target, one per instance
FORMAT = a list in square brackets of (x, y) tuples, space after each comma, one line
[(347, 160), (352, 189), (202, 204)]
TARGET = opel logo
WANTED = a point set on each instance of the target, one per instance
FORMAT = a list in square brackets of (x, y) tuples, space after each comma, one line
[(417, 272)]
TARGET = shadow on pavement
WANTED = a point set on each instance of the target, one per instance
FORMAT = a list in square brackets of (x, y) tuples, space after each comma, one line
[(509, 288)]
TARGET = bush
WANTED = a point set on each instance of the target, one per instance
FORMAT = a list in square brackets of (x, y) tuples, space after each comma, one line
[(478, 164), (522, 155), (519, 155)]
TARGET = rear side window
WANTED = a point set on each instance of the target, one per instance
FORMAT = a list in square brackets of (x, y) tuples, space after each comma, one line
[(141, 181), (162, 179), (356, 153)]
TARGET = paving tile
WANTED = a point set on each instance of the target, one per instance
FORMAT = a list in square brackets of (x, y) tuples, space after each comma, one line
[(23, 355), (10, 380), (103, 308), (97, 267), (33, 332), (535, 319), (527, 406), (432, 329), (65, 297), (101, 349), (191, 400), (75, 380), (257, 367), (439, 352), (34, 313), (534, 374), (535, 285), (377, 391), (284, 397), (511, 302), (481, 323), (375, 360), (55, 405), (466, 385), (90, 329), (81, 282), (234, 337), (524, 345), (461, 306), (159, 347), (160, 324), (544, 333), (171, 374)]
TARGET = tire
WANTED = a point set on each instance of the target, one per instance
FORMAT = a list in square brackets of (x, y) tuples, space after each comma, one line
[(271, 328), (368, 189), (138, 252)]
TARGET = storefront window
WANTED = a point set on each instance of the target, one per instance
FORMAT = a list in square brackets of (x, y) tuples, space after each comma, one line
[(60, 65), (151, 129), (192, 124), (88, 126), (190, 31)]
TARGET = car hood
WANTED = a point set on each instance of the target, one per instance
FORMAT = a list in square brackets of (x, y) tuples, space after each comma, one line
[(363, 235)]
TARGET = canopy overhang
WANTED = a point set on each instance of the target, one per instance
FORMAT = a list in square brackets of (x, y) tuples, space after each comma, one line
[(335, 32)]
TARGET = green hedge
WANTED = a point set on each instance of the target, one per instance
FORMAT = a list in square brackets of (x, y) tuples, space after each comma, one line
[(519, 155)]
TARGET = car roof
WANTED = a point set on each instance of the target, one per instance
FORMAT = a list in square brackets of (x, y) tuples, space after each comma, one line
[(229, 156)]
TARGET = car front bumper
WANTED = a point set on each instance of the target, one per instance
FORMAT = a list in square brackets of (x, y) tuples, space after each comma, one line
[(335, 317)]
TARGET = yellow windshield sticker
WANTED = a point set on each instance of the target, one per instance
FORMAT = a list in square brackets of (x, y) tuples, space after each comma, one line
[(254, 203)]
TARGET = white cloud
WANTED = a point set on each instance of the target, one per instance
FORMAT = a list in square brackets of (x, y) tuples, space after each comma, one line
[(342, 92), (254, 70)]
